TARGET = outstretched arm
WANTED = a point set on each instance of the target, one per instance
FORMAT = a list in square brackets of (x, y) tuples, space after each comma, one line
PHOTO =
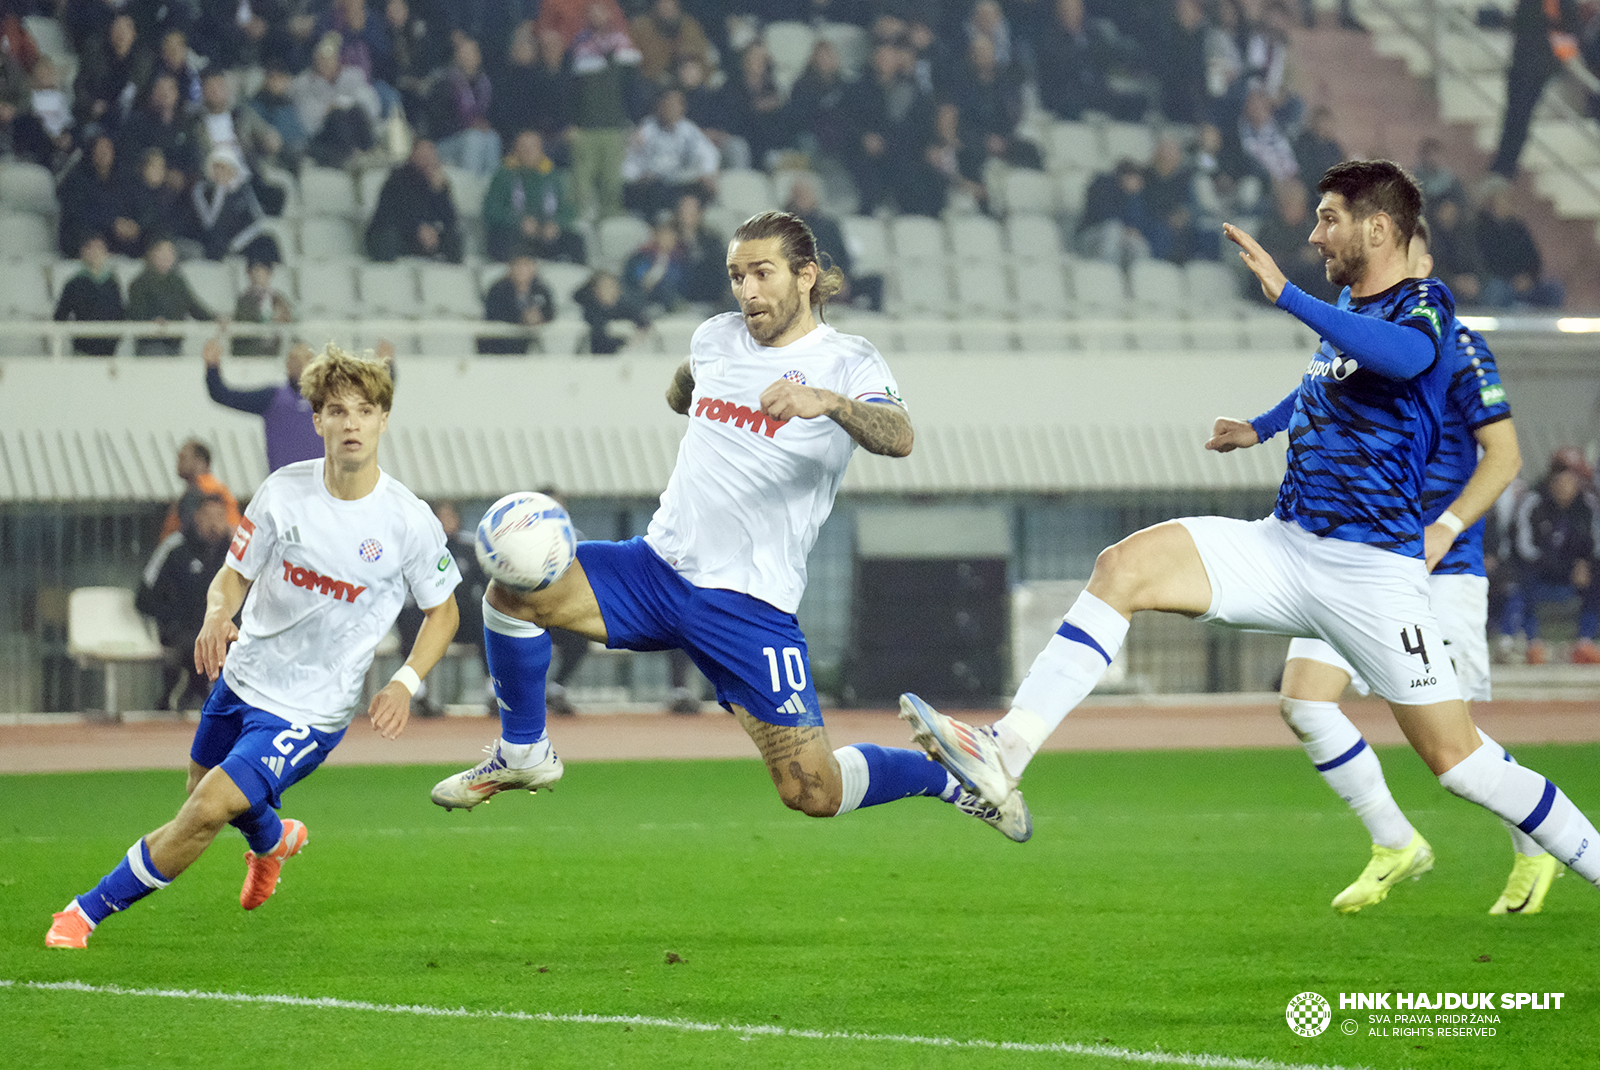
[(877, 426), (681, 390)]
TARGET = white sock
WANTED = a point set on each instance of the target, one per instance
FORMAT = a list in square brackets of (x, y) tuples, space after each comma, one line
[(1521, 842), (1061, 677), (1539, 808), (1341, 755), (525, 755), (855, 775)]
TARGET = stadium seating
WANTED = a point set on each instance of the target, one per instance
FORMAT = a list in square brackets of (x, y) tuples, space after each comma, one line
[(448, 291), (328, 291), (790, 44), (745, 192), (328, 191), (977, 239), (27, 187), (25, 236), (214, 283), (103, 628), (1099, 288), (616, 238), (389, 291), (1032, 236), (868, 241), (328, 238)]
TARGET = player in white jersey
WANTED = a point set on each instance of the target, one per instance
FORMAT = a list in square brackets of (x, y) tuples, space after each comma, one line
[(321, 564), (777, 402), (1342, 558)]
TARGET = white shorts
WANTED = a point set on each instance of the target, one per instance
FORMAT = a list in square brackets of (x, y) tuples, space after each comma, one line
[(1370, 605), (1461, 602)]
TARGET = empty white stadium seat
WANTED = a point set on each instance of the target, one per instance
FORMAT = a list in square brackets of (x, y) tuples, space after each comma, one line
[(564, 280), (616, 237), (24, 291), (924, 289), (745, 192), (1212, 287), (1158, 287), (790, 44), (868, 240), (564, 335), (104, 627), (25, 236), (1030, 236), (1029, 191), (852, 42), (917, 240), (673, 334), (214, 283), (328, 238), (369, 185), (1041, 290), (328, 191), (27, 187), (328, 291), (389, 291), (1074, 146), (783, 181), (977, 239), (982, 291), (450, 291), (1129, 141), (925, 336), (1071, 188), (467, 190), (984, 336), (1098, 288)]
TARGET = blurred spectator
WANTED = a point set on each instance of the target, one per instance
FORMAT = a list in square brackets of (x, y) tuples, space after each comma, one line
[(657, 270), (363, 38), (891, 119), (530, 200), (416, 215), (805, 201), (459, 115), (1316, 150), (414, 46), (533, 91), (816, 104), (568, 19), (609, 311), (1179, 61), (339, 109), (1553, 541), (666, 35), (161, 293), (951, 162), (1263, 140), (603, 63), (54, 135), (199, 483), (705, 255), (173, 591), (231, 220), (93, 294), (667, 157), (1074, 71), (1454, 248), (988, 23), (286, 415), (220, 123), (1169, 189), (1118, 224), (1513, 268), (473, 585), (1225, 55), (1543, 40), (1434, 177), (150, 206), (1269, 62), (520, 297), (110, 73), (234, 33), (159, 123), (260, 303), (1285, 232), (1227, 186), (749, 123), (274, 102), (990, 98), (89, 198), (16, 119), (174, 58)]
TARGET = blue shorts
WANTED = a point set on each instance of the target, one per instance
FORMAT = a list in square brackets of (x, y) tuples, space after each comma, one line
[(261, 752), (753, 652)]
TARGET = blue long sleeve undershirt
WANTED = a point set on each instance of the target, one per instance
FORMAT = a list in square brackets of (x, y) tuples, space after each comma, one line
[(1276, 418), (1392, 350)]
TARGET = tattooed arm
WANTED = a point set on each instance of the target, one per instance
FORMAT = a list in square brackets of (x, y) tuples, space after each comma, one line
[(878, 427), (681, 390)]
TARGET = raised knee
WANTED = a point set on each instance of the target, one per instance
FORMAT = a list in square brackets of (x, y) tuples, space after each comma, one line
[(812, 795)]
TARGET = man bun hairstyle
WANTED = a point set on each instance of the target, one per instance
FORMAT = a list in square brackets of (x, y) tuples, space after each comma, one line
[(799, 247), (1372, 186), (336, 372)]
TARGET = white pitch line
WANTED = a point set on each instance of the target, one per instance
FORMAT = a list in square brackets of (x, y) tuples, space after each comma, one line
[(743, 1032)]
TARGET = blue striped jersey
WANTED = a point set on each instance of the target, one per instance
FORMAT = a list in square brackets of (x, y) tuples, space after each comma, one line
[(1474, 399), (1359, 442)]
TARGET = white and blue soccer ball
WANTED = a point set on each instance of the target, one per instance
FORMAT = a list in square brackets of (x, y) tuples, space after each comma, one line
[(525, 541)]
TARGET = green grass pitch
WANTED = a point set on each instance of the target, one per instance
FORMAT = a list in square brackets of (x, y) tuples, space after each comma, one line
[(1168, 903)]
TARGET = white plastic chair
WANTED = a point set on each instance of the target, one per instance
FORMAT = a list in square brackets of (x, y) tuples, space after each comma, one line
[(103, 627)]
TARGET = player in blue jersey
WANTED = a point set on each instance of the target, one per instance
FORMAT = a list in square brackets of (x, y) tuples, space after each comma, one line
[(1342, 556), (1459, 488)]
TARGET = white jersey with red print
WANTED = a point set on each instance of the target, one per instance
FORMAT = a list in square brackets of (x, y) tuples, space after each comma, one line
[(748, 494), (329, 577)]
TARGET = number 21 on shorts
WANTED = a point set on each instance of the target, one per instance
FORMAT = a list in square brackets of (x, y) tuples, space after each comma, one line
[(794, 667)]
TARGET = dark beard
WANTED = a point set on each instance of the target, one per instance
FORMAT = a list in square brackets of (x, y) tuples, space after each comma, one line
[(1347, 271)]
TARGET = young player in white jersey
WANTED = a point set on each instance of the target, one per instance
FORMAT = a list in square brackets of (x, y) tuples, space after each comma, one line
[(1477, 459), (776, 402), (1342, 556), (321, 564)]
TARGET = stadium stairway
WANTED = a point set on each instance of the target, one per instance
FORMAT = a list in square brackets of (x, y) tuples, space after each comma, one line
[(1382, 110)]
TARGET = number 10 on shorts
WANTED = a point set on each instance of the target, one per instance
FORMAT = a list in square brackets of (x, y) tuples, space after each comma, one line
[(794, 667)]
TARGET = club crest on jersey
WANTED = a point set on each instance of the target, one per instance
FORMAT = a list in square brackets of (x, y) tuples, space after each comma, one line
[(371, 550), (796, 377), (741, 415)]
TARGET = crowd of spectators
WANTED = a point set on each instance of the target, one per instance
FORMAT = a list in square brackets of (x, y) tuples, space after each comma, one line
[(573, 111)]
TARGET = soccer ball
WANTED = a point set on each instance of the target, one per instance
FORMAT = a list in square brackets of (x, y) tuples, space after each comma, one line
[(525, 541)]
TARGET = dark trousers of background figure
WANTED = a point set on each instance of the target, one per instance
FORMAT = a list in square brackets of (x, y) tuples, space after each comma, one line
[(1532, 65)]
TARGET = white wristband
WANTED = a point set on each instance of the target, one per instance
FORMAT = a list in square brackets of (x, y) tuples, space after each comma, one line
[(1451, 521), (407, 678)]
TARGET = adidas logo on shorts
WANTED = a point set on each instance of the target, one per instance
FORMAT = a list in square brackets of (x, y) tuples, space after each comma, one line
[(795, 706)]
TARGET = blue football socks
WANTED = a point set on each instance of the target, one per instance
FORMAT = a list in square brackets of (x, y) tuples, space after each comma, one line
[(134, 878)]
